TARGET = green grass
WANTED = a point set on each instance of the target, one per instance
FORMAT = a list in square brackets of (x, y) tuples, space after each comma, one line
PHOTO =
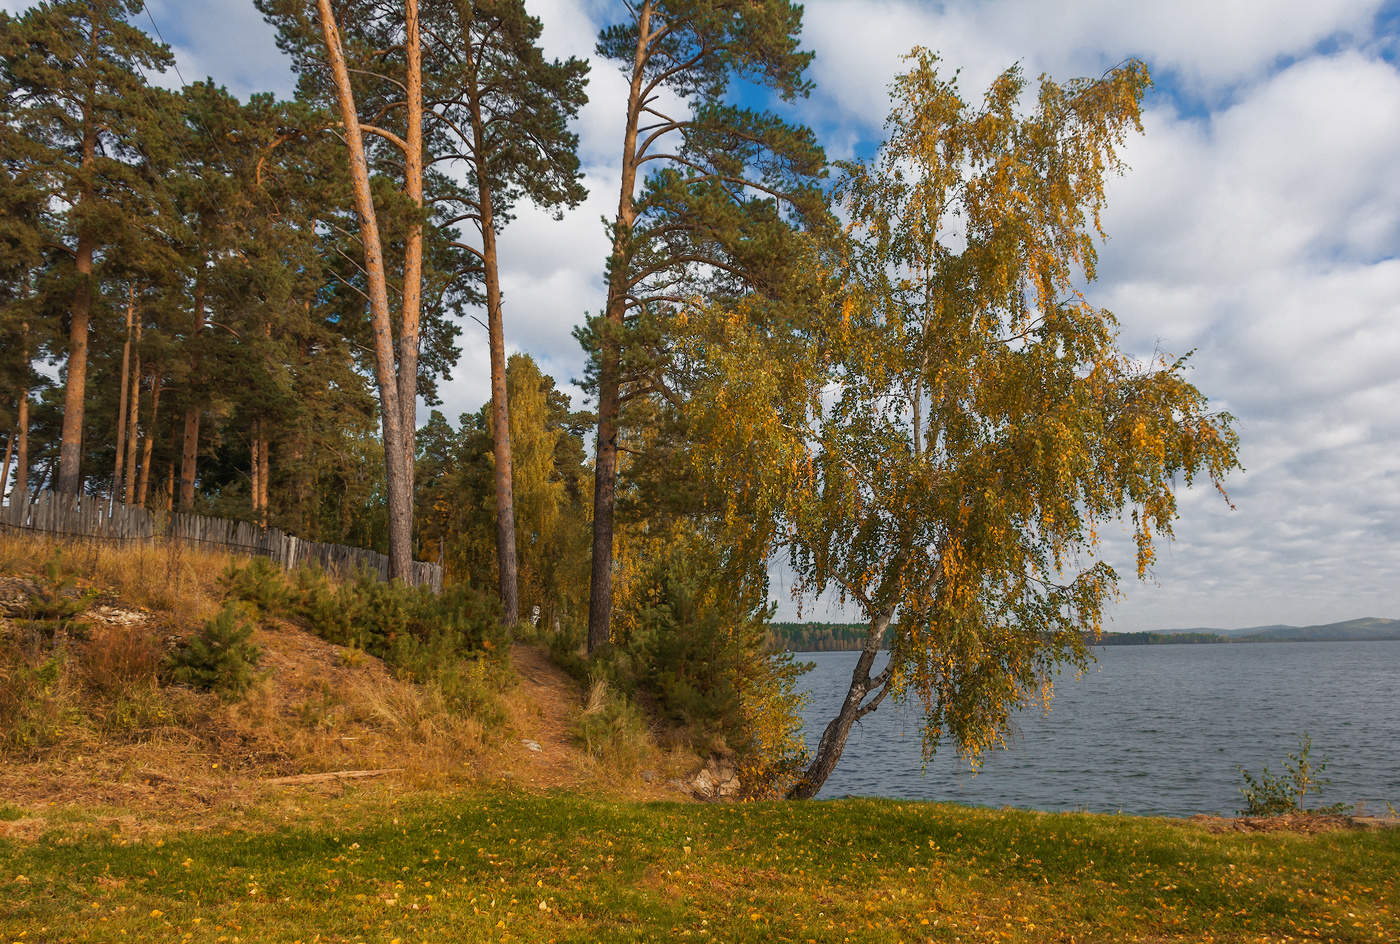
[(514, 867)]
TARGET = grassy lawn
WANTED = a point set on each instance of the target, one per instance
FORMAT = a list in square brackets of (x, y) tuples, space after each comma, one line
[(528, 867)]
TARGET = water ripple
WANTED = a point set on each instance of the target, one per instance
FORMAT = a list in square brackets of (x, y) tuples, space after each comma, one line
[(1151, 729)]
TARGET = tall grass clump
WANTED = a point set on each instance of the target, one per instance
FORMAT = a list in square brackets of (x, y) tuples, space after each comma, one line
[(64, 674), (165, 576), (38, 699), (611, 729)]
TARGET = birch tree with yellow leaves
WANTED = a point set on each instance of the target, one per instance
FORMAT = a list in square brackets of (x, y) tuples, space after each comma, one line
[(961, 425)]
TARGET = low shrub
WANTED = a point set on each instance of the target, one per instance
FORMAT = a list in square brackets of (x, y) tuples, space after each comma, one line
[(259, 582), (1276, 795), (218, 658), (453, 641), (389, 620)]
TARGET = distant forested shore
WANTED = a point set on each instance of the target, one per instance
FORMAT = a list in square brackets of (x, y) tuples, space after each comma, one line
[(848, 637)]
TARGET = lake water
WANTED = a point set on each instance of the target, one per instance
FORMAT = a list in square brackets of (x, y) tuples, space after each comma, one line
[(1148, 729)]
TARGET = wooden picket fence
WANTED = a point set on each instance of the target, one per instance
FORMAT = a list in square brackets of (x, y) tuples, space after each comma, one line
[(90, 516)]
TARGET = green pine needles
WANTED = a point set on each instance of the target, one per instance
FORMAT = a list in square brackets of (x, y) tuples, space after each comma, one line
[(219, 658)]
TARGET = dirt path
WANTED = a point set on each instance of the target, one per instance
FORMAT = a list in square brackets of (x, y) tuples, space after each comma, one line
[(543, 709)]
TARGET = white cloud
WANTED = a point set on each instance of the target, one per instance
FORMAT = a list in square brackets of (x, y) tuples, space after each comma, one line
[(1266, 234), (1206, 46)]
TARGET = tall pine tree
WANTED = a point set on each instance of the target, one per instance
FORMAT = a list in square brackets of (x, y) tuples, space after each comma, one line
[(508, 124), (722, 185), (84, 119)]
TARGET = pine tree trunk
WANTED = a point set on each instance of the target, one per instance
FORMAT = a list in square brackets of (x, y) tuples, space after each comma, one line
[(507, 567), (389, 374), (609, 377), (70, 456), (254, 470), (500, 432), (265, 474), (141, 488), (303, 480), (189, 457), (189, 447), (261, 472), (75, 387), (410, 313), (9, 454), (121, 400), (604, 503), (853, 708), (22, 452), (133, 420)]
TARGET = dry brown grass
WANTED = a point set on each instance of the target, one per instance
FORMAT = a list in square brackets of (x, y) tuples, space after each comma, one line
[(120, 750), (165, 577)]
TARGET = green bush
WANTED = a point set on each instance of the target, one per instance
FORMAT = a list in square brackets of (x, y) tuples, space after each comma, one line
[(453, 641), (218, 658), (260, 583), (1275, 795), (392, 621), (693, 651)]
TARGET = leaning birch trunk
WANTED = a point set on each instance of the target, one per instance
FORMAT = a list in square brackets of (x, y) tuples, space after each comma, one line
[(9, 454), (853, 708), (392, 378)]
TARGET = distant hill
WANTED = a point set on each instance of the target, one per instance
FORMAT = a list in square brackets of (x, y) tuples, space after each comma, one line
[(847, 637), (1228, 633), (1357, 630)]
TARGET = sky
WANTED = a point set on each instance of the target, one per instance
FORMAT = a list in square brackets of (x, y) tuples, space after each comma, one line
[(1258, 225)]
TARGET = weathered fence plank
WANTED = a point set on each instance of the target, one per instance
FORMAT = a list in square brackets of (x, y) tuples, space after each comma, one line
[(91, 516)]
